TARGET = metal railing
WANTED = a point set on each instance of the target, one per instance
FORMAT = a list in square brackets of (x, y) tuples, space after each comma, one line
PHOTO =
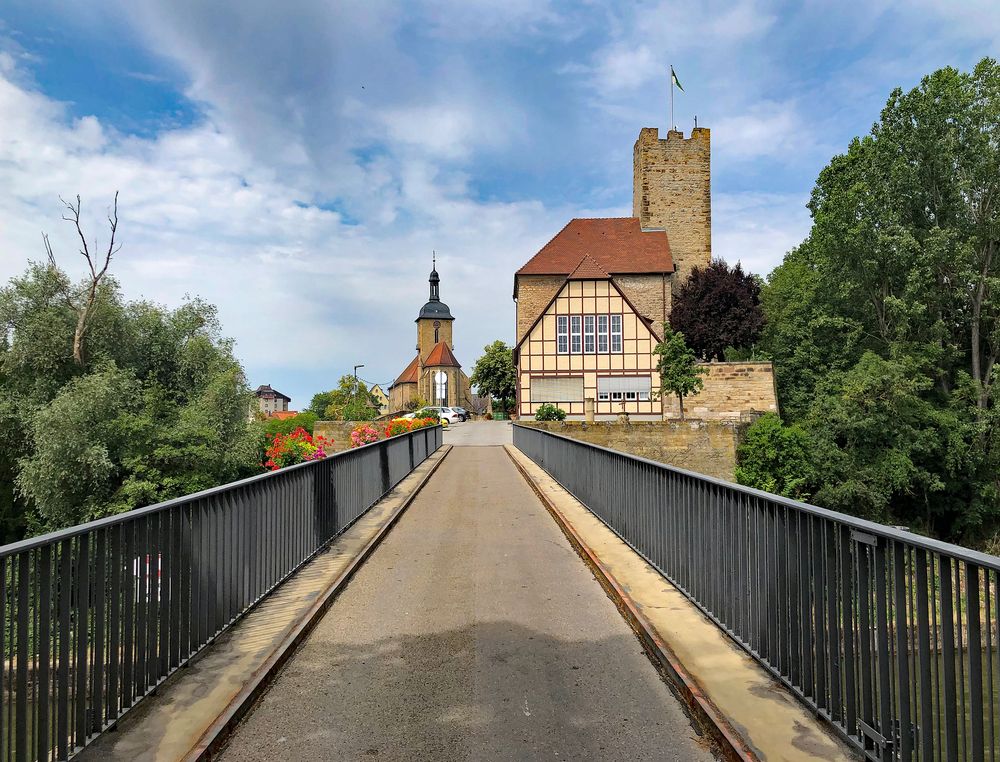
[(97, 615), (890, 636)]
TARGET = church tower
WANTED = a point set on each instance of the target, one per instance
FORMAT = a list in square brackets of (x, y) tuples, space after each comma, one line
[(434, 323), (672, 191)]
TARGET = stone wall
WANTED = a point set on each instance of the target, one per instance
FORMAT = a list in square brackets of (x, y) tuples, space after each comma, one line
[(732, 390), (534, 292), (707, 447), (672, 190), (340, 432), (651, 296)]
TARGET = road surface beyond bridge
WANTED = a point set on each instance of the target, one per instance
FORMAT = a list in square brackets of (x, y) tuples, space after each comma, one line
[(474, 631)]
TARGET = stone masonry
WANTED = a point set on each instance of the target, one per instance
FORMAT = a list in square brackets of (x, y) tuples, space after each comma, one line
[(708, 447), (732, 390), (534, 292), (672, 191), (650, 294)]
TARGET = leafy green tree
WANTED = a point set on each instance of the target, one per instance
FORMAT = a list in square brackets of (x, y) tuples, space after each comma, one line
[(776, 458), (884, 325), (350, 401), (716, 308), (678, 367), (320, 402), (493, 374), (157, 409)]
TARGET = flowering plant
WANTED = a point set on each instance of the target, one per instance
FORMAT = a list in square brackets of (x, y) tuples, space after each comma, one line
[(364, 434), (398, 426), (296, 447)]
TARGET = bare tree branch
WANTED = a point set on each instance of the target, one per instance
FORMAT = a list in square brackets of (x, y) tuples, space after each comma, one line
[(83, 303)]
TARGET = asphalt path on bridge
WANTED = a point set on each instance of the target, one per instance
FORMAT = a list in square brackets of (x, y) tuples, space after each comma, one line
[(473, 632)]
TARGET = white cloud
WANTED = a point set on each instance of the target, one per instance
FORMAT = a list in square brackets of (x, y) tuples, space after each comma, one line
[(758, 229), (300, 290)]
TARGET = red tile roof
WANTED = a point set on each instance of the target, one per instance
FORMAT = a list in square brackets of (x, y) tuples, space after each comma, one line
[(441, 355), (588, 269), (412, 372), (616, 244), (283, 414)]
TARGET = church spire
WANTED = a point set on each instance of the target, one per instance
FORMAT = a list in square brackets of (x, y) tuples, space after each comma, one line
[(435, 279)]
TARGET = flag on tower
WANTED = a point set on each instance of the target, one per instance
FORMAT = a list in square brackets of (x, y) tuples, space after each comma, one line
[(673, 78)]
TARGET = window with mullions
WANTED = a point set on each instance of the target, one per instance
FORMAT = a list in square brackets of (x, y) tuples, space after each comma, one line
[(575, 334), (562, 334), (602, 334), (616, 333), (588, 334)]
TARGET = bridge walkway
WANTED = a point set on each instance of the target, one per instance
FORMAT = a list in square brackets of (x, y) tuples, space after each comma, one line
[(474, 631)]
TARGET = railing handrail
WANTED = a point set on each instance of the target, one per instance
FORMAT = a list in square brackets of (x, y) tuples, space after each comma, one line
[(59, 535), (864, 525)]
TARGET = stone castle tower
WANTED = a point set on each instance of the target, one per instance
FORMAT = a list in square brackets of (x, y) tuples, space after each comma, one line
[(672, 191)]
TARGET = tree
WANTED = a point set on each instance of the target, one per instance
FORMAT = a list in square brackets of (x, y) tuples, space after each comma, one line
[(493, 374), (157, 408), (884, 325), (82, 300), (350, 401), (716, 308), (776, 458), (678, 366), (320, 402)]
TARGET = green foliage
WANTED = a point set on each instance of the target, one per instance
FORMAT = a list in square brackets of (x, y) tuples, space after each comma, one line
[(678, 366), (776, 458), (493, 374), (427, 413), (550, 412), (416, 403), (718, 307), (884, 325), (157, 410), (350, 401), (304, 420)]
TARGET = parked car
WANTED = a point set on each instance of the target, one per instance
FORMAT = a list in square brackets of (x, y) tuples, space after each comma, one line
[(446, 413), (462, 412)]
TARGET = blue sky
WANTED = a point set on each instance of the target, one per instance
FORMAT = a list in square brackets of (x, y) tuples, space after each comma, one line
[(295, 163)]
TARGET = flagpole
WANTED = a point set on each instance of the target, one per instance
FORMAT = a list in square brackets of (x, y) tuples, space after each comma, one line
[(671, 97)]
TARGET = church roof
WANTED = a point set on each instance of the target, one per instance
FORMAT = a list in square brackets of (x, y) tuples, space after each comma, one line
[(435, 309), (617, 245), (410, 374), (588, 269), (441, 355)]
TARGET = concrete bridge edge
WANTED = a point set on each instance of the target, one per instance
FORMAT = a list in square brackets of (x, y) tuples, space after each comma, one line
[(214, 738), (703, 711)]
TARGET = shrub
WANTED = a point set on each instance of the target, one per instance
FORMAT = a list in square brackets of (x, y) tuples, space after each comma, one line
[(489, 416), (364, 434), (297, 447), (549, 412)]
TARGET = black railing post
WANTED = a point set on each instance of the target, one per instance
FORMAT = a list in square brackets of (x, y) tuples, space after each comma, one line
[(870, 626)]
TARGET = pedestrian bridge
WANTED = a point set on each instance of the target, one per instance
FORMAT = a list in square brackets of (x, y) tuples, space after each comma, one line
[(495, 592)]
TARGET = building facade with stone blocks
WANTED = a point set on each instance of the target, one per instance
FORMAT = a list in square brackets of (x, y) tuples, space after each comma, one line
[(590, 343), (434, 374), (591, 304)]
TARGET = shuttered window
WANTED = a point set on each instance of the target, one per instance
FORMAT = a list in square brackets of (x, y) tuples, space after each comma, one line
[(623, 388), (557, 389)]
